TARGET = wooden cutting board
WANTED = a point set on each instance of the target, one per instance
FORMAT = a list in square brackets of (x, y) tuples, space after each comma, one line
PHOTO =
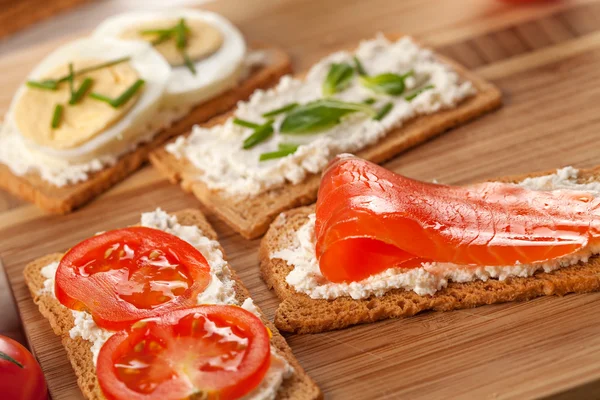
[(545, 58)]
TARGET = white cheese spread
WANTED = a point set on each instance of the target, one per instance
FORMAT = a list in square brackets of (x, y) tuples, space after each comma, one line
[(56, 167), (306, 276), (223, 165), (220, 291)]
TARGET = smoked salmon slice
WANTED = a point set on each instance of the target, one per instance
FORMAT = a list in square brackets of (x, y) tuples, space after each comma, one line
[(369, 219)]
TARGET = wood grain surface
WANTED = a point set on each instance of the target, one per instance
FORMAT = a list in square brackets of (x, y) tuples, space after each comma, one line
[(546, 59), (19, 14)]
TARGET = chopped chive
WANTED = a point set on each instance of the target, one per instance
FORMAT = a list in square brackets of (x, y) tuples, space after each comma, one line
[(48, 84), (163, 37), (284, 150), (98, 96), (128, 94), (280, 110), (96, 67), (358, 66), (408, 74), (52, 84), (57, 116), (246, 124), (123, 98), (181, 31), (288, 146), (260, 134), (417, 92), (79, 93), (369, 101), (383, 111), (189, 63), (71, 80), (157, 31)]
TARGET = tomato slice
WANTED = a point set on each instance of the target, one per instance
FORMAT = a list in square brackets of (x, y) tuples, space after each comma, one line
[(206, 352), (124, 275)]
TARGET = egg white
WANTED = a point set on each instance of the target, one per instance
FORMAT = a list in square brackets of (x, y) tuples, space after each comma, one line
[(214, 74), (118, 138)]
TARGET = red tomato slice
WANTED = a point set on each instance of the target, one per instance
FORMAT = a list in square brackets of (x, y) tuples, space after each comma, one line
[(206, 352), (125, 275)]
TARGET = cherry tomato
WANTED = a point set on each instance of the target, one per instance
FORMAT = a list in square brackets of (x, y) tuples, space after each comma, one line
[(21, 377), (125, 275), (206, 352)]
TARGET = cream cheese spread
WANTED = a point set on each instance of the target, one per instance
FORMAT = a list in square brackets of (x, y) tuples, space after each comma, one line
[(223, 165), (220, 291), (58, 167), (306, 276)]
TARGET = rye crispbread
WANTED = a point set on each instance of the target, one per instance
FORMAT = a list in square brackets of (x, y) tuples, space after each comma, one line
[(298, 313), (299, 386), (251, 216), (62, 200)]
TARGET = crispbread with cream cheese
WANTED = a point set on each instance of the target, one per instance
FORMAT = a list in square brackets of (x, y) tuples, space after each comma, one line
[(62, 200), (251, 216), (298, 386), (299, 313)]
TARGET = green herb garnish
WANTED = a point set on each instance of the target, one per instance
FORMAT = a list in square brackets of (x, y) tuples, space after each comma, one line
[(79, 93), (163, 34), (411, 96), (95, 68), (388, 83), (48, 84), (338, 78), (6, 357), (71, 80), (359, 67), (163, 37), (261, 133), (284, 150), (244, 123), (181, 32), (168, 31), (189, 63), (281, 110), (123, 98), (383, 111), (52, 84), (57, 116), (320, 115), (369, 101)]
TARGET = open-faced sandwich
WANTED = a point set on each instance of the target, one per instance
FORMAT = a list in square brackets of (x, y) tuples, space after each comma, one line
[(267, 155), (379, 245), (154, 311), (90, 112)]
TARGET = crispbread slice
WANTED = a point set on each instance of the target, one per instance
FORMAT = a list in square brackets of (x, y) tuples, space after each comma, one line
[(298, 313), (251, 216), (299, 386), (62, 200)]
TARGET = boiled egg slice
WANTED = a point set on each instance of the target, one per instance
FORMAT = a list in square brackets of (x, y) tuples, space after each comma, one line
[(214, 48), (90, 127)]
